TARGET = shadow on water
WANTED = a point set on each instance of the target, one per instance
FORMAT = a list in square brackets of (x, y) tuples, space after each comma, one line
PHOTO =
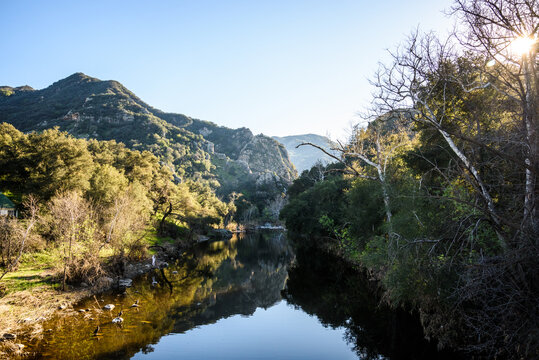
[(322, 285), (217, 280)]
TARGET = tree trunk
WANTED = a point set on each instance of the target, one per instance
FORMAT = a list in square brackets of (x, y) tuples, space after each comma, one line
[(530, 121), (167, 213)]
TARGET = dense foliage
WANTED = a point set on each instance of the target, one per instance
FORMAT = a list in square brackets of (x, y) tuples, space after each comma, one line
[(437, 194), (95, 196)]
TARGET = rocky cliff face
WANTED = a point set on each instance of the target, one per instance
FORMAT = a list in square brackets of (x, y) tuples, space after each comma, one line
[(269, 158), (106, 110)]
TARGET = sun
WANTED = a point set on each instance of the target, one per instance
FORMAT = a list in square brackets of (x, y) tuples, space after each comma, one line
[(523, 45)]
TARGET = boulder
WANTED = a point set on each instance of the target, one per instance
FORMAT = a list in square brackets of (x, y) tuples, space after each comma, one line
[(125, 282), (201, 238), (220, 234), (104, 282)]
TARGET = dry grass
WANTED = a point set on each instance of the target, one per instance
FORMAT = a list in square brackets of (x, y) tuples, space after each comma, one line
[(23, 311)]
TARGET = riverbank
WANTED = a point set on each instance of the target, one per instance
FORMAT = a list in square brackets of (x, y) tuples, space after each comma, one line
[(33, 292)]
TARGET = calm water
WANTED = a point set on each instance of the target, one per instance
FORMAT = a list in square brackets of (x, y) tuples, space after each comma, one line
[(248, 298)]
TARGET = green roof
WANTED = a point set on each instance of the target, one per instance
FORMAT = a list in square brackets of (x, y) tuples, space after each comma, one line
[(5, 203)]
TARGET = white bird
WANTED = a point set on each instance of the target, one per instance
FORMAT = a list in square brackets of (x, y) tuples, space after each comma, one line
[(118, 319)]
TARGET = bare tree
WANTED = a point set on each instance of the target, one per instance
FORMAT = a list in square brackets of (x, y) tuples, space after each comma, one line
[(505, 32), (14, 236), (370, 150), (70, 222)]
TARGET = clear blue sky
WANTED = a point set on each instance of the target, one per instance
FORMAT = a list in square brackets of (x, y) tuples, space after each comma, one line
[(278, 67)]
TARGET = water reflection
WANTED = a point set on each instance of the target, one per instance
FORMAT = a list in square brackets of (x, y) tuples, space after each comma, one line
[(339, 296), (212, 281), (239, 285)]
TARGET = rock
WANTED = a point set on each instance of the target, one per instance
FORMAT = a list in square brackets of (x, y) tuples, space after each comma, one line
[(83, 284), (174, 272), (117, 320), (9, 336), (109, 307), (202, 238), (104, 282), (125, 282), (220, 234)]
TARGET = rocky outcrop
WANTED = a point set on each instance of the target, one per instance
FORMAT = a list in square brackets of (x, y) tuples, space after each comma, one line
[(267, 159)]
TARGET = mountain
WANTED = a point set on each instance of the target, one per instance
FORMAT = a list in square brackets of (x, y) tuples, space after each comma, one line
[(305, 157), (87, 107)]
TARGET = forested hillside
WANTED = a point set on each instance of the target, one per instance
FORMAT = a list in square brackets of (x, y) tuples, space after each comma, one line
[(90, 205), (254, 170)]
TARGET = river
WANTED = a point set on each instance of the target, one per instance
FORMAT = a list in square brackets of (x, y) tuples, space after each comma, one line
[(253, 297)]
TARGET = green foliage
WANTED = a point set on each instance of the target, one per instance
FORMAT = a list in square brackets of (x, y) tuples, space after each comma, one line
[(6, 92), (97, 196), (86, 107), (324, 198), (436, 225)]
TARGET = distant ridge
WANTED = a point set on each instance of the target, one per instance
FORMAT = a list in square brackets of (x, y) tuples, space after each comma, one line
[(305, 157)]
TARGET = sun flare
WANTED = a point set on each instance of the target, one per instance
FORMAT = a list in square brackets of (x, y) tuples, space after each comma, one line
[(523, 45)]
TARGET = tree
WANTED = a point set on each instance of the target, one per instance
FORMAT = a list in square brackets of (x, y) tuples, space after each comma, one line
[(73, 223), (371, 150), (486, 118), (506, 33), (14, 235)]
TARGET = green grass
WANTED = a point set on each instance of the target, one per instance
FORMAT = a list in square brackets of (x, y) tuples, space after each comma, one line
[(40, 260), (27, 279), (152, 238), (35, 269)]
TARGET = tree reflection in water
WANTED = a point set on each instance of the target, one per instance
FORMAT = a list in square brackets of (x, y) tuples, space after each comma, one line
[(210, 282), (217, 280), (322, 285)]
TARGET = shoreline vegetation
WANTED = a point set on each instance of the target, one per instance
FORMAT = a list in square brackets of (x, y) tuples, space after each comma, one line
[(91, 213), (436, 197)]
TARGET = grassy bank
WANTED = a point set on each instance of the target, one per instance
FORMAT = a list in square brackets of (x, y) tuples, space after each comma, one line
[(32, 293)]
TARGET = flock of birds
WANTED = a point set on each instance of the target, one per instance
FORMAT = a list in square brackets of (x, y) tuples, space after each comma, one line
[(117, 320)]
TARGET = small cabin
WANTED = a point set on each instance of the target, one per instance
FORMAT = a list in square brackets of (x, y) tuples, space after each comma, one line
[(7, 208)]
